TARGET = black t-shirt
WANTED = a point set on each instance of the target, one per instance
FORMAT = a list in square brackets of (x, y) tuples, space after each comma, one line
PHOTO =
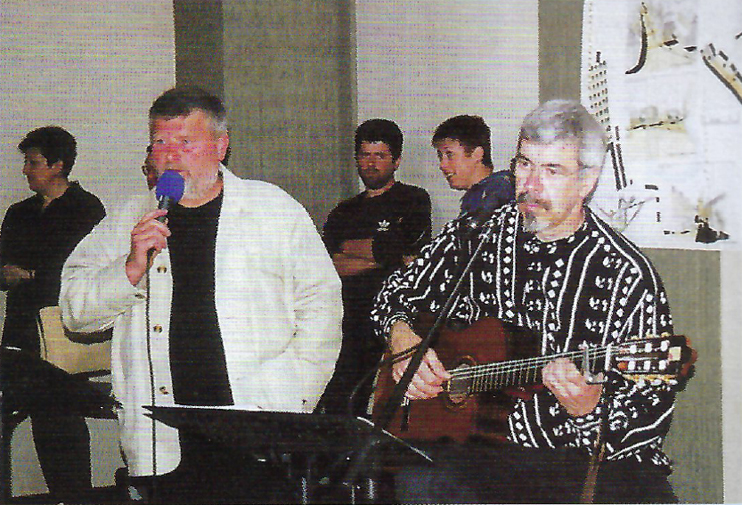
[(398, 221), (197, 360)]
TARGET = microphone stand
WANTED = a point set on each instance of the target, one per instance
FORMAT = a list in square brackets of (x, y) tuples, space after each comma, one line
[(360, 460)]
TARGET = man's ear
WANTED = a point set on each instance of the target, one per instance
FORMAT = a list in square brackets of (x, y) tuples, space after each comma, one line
[(478, 154), (222, 143), (397, 162), (589, 182), (57, 168)]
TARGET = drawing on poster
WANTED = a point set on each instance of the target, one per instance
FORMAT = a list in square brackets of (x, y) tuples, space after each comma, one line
[(661, 77)]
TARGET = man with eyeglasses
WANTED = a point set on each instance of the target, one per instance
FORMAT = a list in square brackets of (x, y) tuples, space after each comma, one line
[(550, 266), (148, 170), (244, 307)]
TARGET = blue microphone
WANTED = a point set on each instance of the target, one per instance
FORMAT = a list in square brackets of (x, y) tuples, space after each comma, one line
[(169, 190)]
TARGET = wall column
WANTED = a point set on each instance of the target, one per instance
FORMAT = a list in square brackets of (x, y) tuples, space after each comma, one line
[(285, 70)]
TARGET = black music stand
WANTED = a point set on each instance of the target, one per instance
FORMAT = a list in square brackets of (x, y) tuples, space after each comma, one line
[(306, 435), (31, 385)]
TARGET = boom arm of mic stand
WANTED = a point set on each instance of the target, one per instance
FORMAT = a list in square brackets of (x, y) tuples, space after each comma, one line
[(395, 399)]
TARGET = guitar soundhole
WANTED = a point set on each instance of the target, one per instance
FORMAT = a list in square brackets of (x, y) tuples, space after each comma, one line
[(458, 388)]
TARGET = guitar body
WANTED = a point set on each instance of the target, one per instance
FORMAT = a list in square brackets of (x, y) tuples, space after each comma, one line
[(452, 416)]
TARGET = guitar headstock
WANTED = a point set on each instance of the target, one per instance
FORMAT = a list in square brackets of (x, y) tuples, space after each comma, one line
[(664, 358)]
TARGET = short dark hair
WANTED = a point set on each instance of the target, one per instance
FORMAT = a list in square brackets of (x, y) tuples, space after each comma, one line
[(54, 143), (183, 100), (470, 131), (380, 130)]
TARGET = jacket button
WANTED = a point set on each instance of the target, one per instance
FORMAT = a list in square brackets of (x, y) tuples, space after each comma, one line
[(161, 269), (157, 328), (164, 390)]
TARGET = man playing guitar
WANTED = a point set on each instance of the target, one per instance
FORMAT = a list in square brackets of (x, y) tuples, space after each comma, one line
[(551, 266)]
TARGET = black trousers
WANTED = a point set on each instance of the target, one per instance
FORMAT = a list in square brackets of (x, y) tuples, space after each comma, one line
[(359, 354), (63, 447), (507, 473), (60, 433)]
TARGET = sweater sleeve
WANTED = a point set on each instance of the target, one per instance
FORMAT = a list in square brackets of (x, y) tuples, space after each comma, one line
[(421, 287), (636, 415)]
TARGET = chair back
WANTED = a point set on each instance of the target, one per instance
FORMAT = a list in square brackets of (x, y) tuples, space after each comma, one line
[(70, 351)]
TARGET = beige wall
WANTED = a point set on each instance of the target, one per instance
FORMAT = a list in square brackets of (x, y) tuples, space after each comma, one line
[(298, 77), (422, 61), (285, 72), (199, 42), (692, 280), (731, 352), (288, 88), (93, 68)]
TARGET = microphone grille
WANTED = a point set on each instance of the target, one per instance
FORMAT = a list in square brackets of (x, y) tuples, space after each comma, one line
[(170, 185)]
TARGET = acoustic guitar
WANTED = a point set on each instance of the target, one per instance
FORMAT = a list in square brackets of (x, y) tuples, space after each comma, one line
[(479, 361)]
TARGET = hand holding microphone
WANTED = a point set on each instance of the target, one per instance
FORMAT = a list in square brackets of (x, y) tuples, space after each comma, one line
[(149, 236)]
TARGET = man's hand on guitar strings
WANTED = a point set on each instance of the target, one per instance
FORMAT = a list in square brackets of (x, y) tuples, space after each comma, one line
[(570, 387), (430, 376)]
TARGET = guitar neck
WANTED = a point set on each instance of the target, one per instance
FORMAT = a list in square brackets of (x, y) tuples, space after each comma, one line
[(494, 376)]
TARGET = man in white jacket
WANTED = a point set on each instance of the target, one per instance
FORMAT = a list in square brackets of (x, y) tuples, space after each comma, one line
[(244, 303)]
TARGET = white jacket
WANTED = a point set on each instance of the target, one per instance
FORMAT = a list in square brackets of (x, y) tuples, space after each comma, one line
[(277, 299)]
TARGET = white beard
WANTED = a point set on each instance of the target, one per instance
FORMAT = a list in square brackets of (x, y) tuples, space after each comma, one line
[(531, 223), (196, 189)]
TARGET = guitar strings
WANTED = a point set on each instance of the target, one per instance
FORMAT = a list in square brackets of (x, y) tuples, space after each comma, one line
[(502, 373), (540, 361), (504, 366)]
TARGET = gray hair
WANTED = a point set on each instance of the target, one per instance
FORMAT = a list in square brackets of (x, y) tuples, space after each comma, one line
[(181, 101), (567, 120)]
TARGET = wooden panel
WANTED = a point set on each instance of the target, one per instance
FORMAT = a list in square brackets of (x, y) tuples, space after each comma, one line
[(199, 42), (560, 33)]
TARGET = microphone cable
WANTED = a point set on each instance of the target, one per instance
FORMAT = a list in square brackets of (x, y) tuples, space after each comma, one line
[(169, 190), (383, 362), (150, 364)]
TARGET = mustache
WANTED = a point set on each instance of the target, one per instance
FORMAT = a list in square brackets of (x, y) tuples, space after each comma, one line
[(527, 198)]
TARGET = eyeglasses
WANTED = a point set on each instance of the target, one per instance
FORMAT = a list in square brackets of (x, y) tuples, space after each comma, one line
[(523, 166), (183, 146)]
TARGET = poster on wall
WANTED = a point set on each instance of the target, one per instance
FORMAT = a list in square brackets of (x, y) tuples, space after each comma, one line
[(663, 77)]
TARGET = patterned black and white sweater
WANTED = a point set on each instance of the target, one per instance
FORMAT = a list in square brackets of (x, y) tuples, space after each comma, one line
[(594, 287)]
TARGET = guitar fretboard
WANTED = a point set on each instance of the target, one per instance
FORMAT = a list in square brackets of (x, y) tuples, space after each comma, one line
[(493, 376)]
